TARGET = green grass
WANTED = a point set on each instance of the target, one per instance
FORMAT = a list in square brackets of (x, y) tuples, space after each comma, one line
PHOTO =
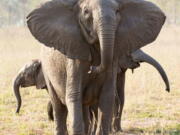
[(149, 109)]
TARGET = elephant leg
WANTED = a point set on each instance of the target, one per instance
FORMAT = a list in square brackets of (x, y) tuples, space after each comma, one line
[(86, 115), (50, 111), (75, 74), (93, 126), (105, 106), (59, 111), (119, 102), (60, 115), (115, 122)]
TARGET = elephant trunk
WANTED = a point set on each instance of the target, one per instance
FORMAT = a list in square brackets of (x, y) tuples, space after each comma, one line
[(16, 85), (106, 35), (140, 56)]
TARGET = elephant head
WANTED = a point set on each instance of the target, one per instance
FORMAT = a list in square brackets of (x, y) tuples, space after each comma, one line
[(99, 21), (133, 61), (71, 26), (139, 56), (30, 75)]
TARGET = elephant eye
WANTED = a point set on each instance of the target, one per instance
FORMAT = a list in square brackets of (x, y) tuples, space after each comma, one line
[(86, 13), (85, 10), (117, 11)]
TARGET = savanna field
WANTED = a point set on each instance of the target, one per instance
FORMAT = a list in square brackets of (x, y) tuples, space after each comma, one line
[(149, 109)]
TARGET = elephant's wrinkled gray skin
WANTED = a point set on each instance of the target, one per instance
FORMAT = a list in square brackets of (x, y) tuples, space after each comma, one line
[(71, 31)]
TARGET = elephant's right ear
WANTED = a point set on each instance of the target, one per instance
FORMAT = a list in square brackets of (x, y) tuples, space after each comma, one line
[(141, 22), (55, 25)]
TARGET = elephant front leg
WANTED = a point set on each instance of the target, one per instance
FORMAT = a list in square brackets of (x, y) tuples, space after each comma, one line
[(119, 102), (87, 119), (105, 107), (60, 115), (94, 113), (59, 111), (74, 97)]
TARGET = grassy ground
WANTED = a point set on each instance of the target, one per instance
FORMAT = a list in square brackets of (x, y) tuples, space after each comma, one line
[(149, 109)]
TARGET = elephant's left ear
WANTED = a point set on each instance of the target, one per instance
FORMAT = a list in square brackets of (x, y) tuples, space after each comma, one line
[(140, 24)]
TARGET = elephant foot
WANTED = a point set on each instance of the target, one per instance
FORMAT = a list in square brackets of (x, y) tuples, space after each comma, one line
[(119, 130), (116, 129)]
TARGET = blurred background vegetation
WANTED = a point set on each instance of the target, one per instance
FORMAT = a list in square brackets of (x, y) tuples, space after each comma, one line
[(14, 12)]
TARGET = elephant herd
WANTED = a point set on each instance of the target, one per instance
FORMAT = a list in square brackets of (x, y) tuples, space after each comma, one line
[(87, 46)]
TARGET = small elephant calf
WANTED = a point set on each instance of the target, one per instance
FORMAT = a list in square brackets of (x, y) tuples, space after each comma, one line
[(31, 75)]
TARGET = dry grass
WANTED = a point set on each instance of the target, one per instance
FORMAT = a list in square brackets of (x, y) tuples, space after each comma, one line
[(148, 110)]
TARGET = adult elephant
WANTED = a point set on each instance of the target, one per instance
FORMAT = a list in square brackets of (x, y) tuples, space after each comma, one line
[(138, 56), (71, 31)]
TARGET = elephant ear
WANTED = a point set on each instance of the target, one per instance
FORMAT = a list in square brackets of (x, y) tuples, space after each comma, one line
[(54, 24), (140, 24)]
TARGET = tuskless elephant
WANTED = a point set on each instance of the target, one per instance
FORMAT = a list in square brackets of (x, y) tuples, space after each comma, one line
[(75, 34)]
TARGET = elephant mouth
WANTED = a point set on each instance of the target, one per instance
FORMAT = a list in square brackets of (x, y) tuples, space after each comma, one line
[(26, 85), (135, 65)]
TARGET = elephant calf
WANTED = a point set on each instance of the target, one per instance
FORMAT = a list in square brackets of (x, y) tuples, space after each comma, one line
[(30, 75)]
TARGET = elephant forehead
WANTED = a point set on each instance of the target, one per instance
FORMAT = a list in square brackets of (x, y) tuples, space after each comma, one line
[(28, 66), (97, 4), (25, 67)]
